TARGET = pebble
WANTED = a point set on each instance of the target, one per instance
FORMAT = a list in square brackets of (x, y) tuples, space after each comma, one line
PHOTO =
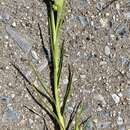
[(12, 95), (103, 22), (22, 42), (99, 5), (6, 37), (116, 98), (13, 24), (30, 123), (4, 16), (107, 50), (34, 55), (84, 20), (127, 15), (10, 114), (65, 81), (88, 125), (42, 66), (120, 29), (83, 76), (117, 6), (5, 99), (119, 121), (103, 63), (100, 98), (120, 94), (84, 2), (124, 60), (103, 125)]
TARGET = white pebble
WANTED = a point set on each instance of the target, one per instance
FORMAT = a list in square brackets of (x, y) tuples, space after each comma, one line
[(65, 81), (107, 50), (14, 24), (117, 6), (119, 120), (34, 54), (83, 76), (103, 22), (99, 97), (12, 95), (116, 98)]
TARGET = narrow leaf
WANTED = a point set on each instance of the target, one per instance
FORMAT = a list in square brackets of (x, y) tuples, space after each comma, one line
[(73, 114), (38, 99), (35, 112), (60, 62), (67, 93), (30, 83), (77, 117), (42, 83), (85, 121), (41, 93)]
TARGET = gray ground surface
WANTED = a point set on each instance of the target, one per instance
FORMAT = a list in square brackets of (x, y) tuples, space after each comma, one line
[(97, 43)]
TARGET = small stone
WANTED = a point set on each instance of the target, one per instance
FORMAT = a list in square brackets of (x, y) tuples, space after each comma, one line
[(2, 3), (124, 60), (34, 55), (116, 98), (99, 5), (107, 14), (65, 81), (119, 120), (120, 29), (84, 20), (27, 7), (30, 123), (127, 15), (107, 50), (83, 76), (120, 94), (36, 83), (99, 97), (12, 95), (5, 99), (103, 125), (117, 6), (10, 114), (14, 24), (6, 37), (95, 120), (9, 84), (42, 66), (1, 17), (103, 22), (103, 63), (21, 41)]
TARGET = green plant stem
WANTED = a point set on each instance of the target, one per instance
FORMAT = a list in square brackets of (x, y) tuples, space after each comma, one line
[(55, 56)]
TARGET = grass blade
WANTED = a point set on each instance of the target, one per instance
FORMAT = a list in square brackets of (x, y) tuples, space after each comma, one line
[(42, 83), (77, 117), (67, 93), (33, 111), (73, 114), (38, 99), (30, 83), (36, 113), (85, 121), (60, 62)]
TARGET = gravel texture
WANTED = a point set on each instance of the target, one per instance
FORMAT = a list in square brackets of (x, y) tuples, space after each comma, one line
[(97, 44)]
